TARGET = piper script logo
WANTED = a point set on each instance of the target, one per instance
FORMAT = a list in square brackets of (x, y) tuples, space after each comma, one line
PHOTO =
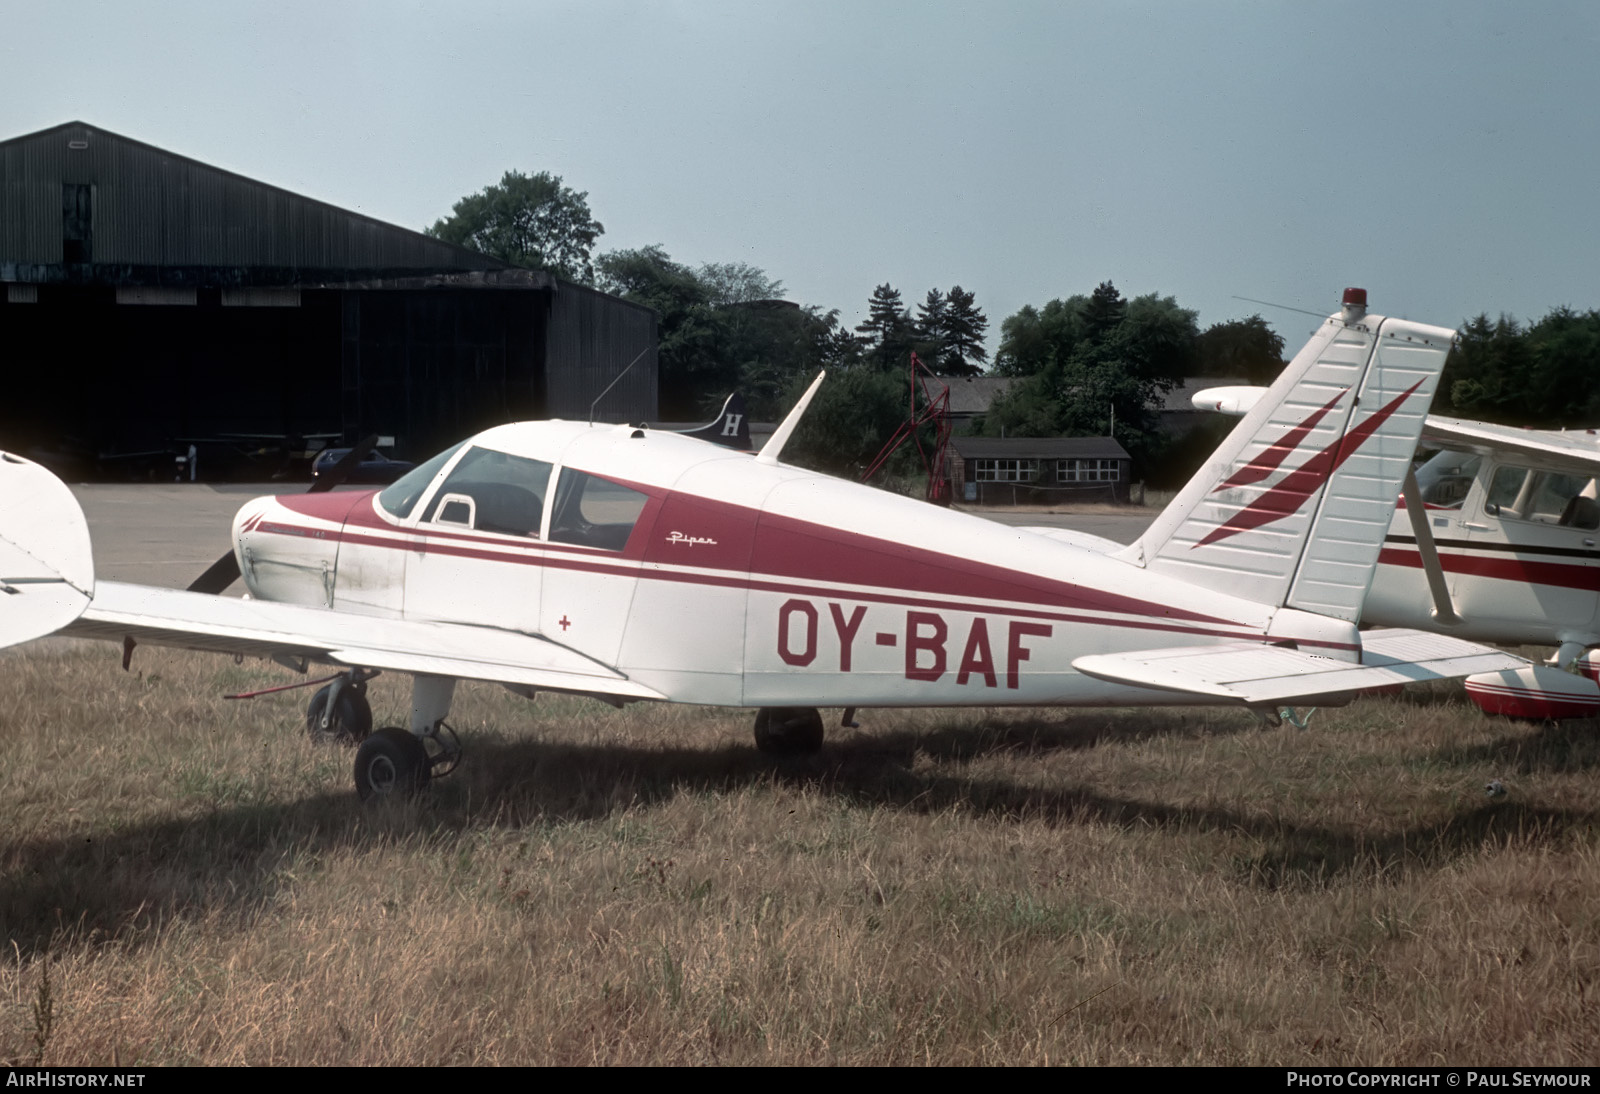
[(690, 541), (1293, 489)]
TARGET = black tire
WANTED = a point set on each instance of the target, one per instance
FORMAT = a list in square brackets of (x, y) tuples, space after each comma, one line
[(351, 721), (788, 731), (391, 763)]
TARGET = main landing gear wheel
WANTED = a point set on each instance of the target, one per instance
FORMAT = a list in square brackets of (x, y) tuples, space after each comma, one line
[(788, 731), (392, 762), (351, 719)]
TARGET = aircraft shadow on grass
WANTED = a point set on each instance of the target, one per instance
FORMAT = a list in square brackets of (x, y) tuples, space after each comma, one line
[(127, 884)]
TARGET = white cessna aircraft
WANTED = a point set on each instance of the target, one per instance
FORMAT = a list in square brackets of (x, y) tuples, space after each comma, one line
[(1495, 540), (628, 564)]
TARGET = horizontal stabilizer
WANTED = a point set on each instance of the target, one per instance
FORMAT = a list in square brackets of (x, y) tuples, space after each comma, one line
[(258, 628), (46, 565), (1248, 672)]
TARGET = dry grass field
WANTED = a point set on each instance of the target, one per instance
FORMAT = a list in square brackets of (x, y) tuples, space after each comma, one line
[(185, 879)]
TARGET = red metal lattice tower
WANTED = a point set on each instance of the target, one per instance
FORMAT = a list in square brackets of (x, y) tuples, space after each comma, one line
[(935, 412)]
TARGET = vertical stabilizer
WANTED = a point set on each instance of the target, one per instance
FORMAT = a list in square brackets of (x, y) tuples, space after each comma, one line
[(1292, 508)]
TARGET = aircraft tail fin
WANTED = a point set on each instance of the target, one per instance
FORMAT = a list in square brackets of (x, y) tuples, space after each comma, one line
[(1292, 508), (731, 427), (46, 564)]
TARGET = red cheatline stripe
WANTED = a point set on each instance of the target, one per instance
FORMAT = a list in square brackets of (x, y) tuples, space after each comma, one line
[(1287, 497), (1583, 578), (757, 584)]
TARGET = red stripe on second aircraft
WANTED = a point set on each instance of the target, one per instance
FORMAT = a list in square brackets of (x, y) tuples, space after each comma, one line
[(1560, 575)]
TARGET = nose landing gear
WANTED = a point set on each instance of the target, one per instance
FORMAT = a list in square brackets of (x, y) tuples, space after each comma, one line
[(339, 712)]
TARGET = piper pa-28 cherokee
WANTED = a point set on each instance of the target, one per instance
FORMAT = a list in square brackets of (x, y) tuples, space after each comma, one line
[(1502, 524), (627, 564)]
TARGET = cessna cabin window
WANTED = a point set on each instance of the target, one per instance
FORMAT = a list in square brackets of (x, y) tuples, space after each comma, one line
[(492, 492), (1546, 497), (591, 512), (1446, 477), (399, 498)]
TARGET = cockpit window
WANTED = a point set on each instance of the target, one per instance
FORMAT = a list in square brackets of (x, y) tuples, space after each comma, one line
[(493, 492), (399, 498), (593, 512)]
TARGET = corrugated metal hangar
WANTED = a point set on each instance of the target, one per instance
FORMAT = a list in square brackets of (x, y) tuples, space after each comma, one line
[(151, 300)]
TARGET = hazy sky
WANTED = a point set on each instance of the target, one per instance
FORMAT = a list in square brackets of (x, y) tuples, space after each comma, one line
[(1446, 156)]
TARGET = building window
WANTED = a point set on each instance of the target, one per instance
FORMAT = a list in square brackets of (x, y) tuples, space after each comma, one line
[(1006, 470), (1088, 470)]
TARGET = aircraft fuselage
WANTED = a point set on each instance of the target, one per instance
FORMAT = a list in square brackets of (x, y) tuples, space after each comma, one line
[(715, 578)]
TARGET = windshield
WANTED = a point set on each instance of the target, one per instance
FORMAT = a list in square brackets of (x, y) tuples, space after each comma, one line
[(399, 499), (493, 492)]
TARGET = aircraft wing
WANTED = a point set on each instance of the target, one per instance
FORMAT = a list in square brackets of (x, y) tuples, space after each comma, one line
[(1250, 673), (1577, 450), (200, 621)]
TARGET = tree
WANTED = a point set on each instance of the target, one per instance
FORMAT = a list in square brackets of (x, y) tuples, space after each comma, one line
[(932, 315), (527, 220), (1105, 310), (721, 327), (852, 417), (962, 335), (1540, 375), (1031, 339), (1246, 349), (738, 283), (692, 365), (1086, 363), (1487, 370), (887, 331)]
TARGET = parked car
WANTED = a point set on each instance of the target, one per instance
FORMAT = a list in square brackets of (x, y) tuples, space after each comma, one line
[(374, 467)]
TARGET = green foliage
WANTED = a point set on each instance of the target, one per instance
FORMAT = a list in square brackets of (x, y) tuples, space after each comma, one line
[(1245, 349), (692, 368), (527, 220), (722, 326), (1087, 365), (773, 345), (738, 283), (1031, 339), (852, 417), (961, 334), (888, 333), (1541, 376)]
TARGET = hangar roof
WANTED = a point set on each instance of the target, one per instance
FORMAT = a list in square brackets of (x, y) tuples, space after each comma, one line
[(84, 204)]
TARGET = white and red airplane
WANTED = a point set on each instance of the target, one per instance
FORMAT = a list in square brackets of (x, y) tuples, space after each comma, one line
[(1495, 540), (629, 564)]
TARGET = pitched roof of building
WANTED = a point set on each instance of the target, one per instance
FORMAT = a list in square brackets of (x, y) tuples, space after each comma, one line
[(1032, 448), (972, 395)]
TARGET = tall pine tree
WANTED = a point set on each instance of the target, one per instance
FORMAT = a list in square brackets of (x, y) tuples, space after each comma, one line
[(887, 329), (962, 342)]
